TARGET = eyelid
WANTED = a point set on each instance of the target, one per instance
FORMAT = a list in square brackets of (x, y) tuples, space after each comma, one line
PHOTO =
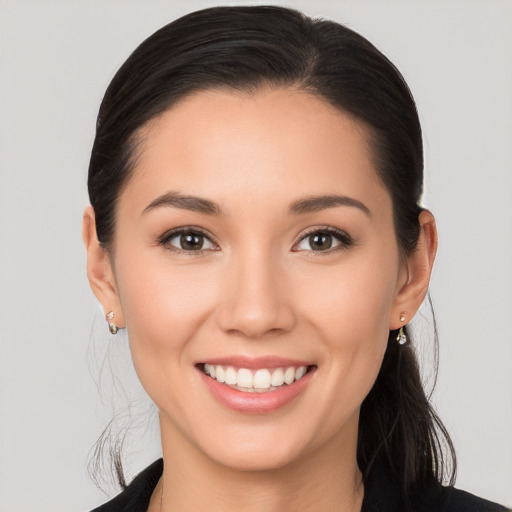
[(343, 237), (164, 239), (345, 240)]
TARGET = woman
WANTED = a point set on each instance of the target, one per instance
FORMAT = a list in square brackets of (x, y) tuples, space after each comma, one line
[(255, 226)]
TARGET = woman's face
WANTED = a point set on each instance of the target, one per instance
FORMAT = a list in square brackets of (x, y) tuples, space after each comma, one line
[(254, 237)]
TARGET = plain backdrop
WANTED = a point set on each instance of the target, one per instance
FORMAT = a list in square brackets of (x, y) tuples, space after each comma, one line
[(57, 57)]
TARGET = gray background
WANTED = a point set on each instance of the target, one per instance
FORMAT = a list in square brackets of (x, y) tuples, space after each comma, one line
[(56, 58)]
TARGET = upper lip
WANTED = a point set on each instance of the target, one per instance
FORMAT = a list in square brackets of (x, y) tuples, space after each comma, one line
[(255, 363)]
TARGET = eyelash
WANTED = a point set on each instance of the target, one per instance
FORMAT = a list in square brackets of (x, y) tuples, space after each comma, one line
[(174, 233), (344, 239)]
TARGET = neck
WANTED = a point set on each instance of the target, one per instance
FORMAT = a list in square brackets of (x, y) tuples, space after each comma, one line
[(327, 479)]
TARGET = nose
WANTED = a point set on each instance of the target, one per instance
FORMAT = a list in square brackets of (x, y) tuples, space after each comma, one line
[(255, 300)]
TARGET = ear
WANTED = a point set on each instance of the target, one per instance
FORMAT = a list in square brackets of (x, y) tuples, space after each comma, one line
[(99, 269), (417, 269)]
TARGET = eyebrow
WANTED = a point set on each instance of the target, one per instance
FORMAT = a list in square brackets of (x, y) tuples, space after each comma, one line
[(319, 203), (192, 203), (301, 206)]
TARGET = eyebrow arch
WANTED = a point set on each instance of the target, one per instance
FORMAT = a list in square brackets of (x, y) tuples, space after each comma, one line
[(319, 203), (192, 203)]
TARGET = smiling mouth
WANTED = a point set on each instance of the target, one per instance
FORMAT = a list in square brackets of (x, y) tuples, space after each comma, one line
[(256, 381)]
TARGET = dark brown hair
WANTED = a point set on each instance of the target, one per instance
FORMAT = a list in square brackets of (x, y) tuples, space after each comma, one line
[(245, 48)]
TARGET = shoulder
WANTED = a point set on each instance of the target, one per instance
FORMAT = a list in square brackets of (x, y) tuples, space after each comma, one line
[(382, 494), (136, 496), (454, 500)]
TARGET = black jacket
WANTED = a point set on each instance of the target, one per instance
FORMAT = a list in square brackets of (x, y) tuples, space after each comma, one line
[(381, 495)]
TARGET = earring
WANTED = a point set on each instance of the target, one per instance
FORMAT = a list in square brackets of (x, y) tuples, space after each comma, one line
[(112, 327), (402, 337)]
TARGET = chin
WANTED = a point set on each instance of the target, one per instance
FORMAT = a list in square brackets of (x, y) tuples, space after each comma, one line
[(259, 451), (256, 460)]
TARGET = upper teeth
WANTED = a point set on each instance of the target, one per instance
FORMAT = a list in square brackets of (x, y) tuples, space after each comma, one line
[(255, 380)]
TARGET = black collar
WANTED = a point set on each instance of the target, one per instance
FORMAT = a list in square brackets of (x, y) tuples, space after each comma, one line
[(381, 494)]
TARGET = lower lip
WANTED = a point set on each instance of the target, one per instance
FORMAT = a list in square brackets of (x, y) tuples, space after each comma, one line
[(255, 403)]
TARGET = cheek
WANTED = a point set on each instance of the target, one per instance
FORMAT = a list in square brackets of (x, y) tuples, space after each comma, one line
[(350, 309), (353, 302), (164, 306)]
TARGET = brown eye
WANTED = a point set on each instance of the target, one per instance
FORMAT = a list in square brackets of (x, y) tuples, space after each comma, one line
[(320, 241), (191, 241), (188, 241), (324, 241)]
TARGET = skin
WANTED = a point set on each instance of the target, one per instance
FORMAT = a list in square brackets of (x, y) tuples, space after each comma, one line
[(258, 289)]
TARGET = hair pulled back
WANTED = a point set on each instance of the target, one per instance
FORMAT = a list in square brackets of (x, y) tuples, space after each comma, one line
[(244, 49)]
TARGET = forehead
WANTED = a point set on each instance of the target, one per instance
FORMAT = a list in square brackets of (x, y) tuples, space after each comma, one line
[(279, 142)]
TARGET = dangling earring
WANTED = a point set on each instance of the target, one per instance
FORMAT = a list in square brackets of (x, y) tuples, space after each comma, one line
[(112, 327), (402, 337)]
